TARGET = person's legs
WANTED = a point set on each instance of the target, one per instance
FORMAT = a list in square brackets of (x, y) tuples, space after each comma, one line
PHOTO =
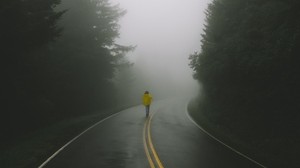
[(147, 110)]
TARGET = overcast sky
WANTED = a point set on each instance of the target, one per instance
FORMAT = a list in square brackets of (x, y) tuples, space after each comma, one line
[(165, 32)]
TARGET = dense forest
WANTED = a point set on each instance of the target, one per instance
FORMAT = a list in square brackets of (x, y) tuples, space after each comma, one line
[(58, 59), (249, 69)]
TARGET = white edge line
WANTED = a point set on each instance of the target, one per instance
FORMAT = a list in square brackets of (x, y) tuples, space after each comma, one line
[(59, 150), (202, 129)]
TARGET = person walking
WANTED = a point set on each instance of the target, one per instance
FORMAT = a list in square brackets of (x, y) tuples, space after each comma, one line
[(147, 100)]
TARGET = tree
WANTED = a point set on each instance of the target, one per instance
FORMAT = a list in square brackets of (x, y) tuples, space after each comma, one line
[(52, 74), (26, 26), (248, 49), (88, 55), (248, 66)]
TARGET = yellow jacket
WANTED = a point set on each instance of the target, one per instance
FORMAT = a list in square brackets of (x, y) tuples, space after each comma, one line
[(147, 99)]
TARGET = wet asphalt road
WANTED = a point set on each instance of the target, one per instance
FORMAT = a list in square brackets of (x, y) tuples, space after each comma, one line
[(118, 142)]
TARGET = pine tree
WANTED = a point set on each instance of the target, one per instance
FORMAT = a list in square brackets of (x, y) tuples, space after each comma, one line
[(26, 26), (89, 54), (248, 66)]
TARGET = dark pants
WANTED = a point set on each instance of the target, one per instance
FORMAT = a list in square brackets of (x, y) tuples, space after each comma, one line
[(147, 110)]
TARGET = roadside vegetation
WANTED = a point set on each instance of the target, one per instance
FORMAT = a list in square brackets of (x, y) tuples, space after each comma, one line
[(59, 59), (249, 69)]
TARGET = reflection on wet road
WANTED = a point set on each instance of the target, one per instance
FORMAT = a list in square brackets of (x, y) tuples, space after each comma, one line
[(167, 139)]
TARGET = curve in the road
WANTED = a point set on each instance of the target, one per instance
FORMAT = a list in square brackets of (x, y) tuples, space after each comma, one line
[(123, 140), (63, 147), (234, 150)]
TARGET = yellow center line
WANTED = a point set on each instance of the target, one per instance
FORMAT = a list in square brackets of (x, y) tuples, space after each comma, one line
[(146, 147), (151, 145), (147, 136)]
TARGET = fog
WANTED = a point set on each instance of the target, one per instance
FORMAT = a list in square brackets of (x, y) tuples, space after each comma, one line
[(165, 32)]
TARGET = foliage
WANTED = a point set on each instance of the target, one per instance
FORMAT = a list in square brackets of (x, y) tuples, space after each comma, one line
[(248, 66), (28, 24), (88, 55), (25, 27), (59, 60)]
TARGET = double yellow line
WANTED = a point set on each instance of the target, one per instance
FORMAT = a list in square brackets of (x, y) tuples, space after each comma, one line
[(151, 154)]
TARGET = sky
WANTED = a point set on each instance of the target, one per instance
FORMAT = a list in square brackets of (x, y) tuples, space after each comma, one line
[(165, 32)]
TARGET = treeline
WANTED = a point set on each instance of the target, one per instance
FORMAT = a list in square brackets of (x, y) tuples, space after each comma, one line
[(249, 69), (57, 61)]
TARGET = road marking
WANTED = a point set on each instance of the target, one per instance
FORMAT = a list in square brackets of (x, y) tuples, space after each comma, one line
[(234, 150), (146, 147), (63, 147), (151, 144), (147, 136)]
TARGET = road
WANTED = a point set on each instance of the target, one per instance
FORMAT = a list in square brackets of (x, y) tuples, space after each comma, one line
[(168, 138)]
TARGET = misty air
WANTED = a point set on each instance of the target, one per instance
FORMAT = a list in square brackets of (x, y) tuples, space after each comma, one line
[(150, 83)]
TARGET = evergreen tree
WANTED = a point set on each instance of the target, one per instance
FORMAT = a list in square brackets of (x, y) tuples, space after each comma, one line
[(248, 67), (26, 26), (89, 54), (52, 74)]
